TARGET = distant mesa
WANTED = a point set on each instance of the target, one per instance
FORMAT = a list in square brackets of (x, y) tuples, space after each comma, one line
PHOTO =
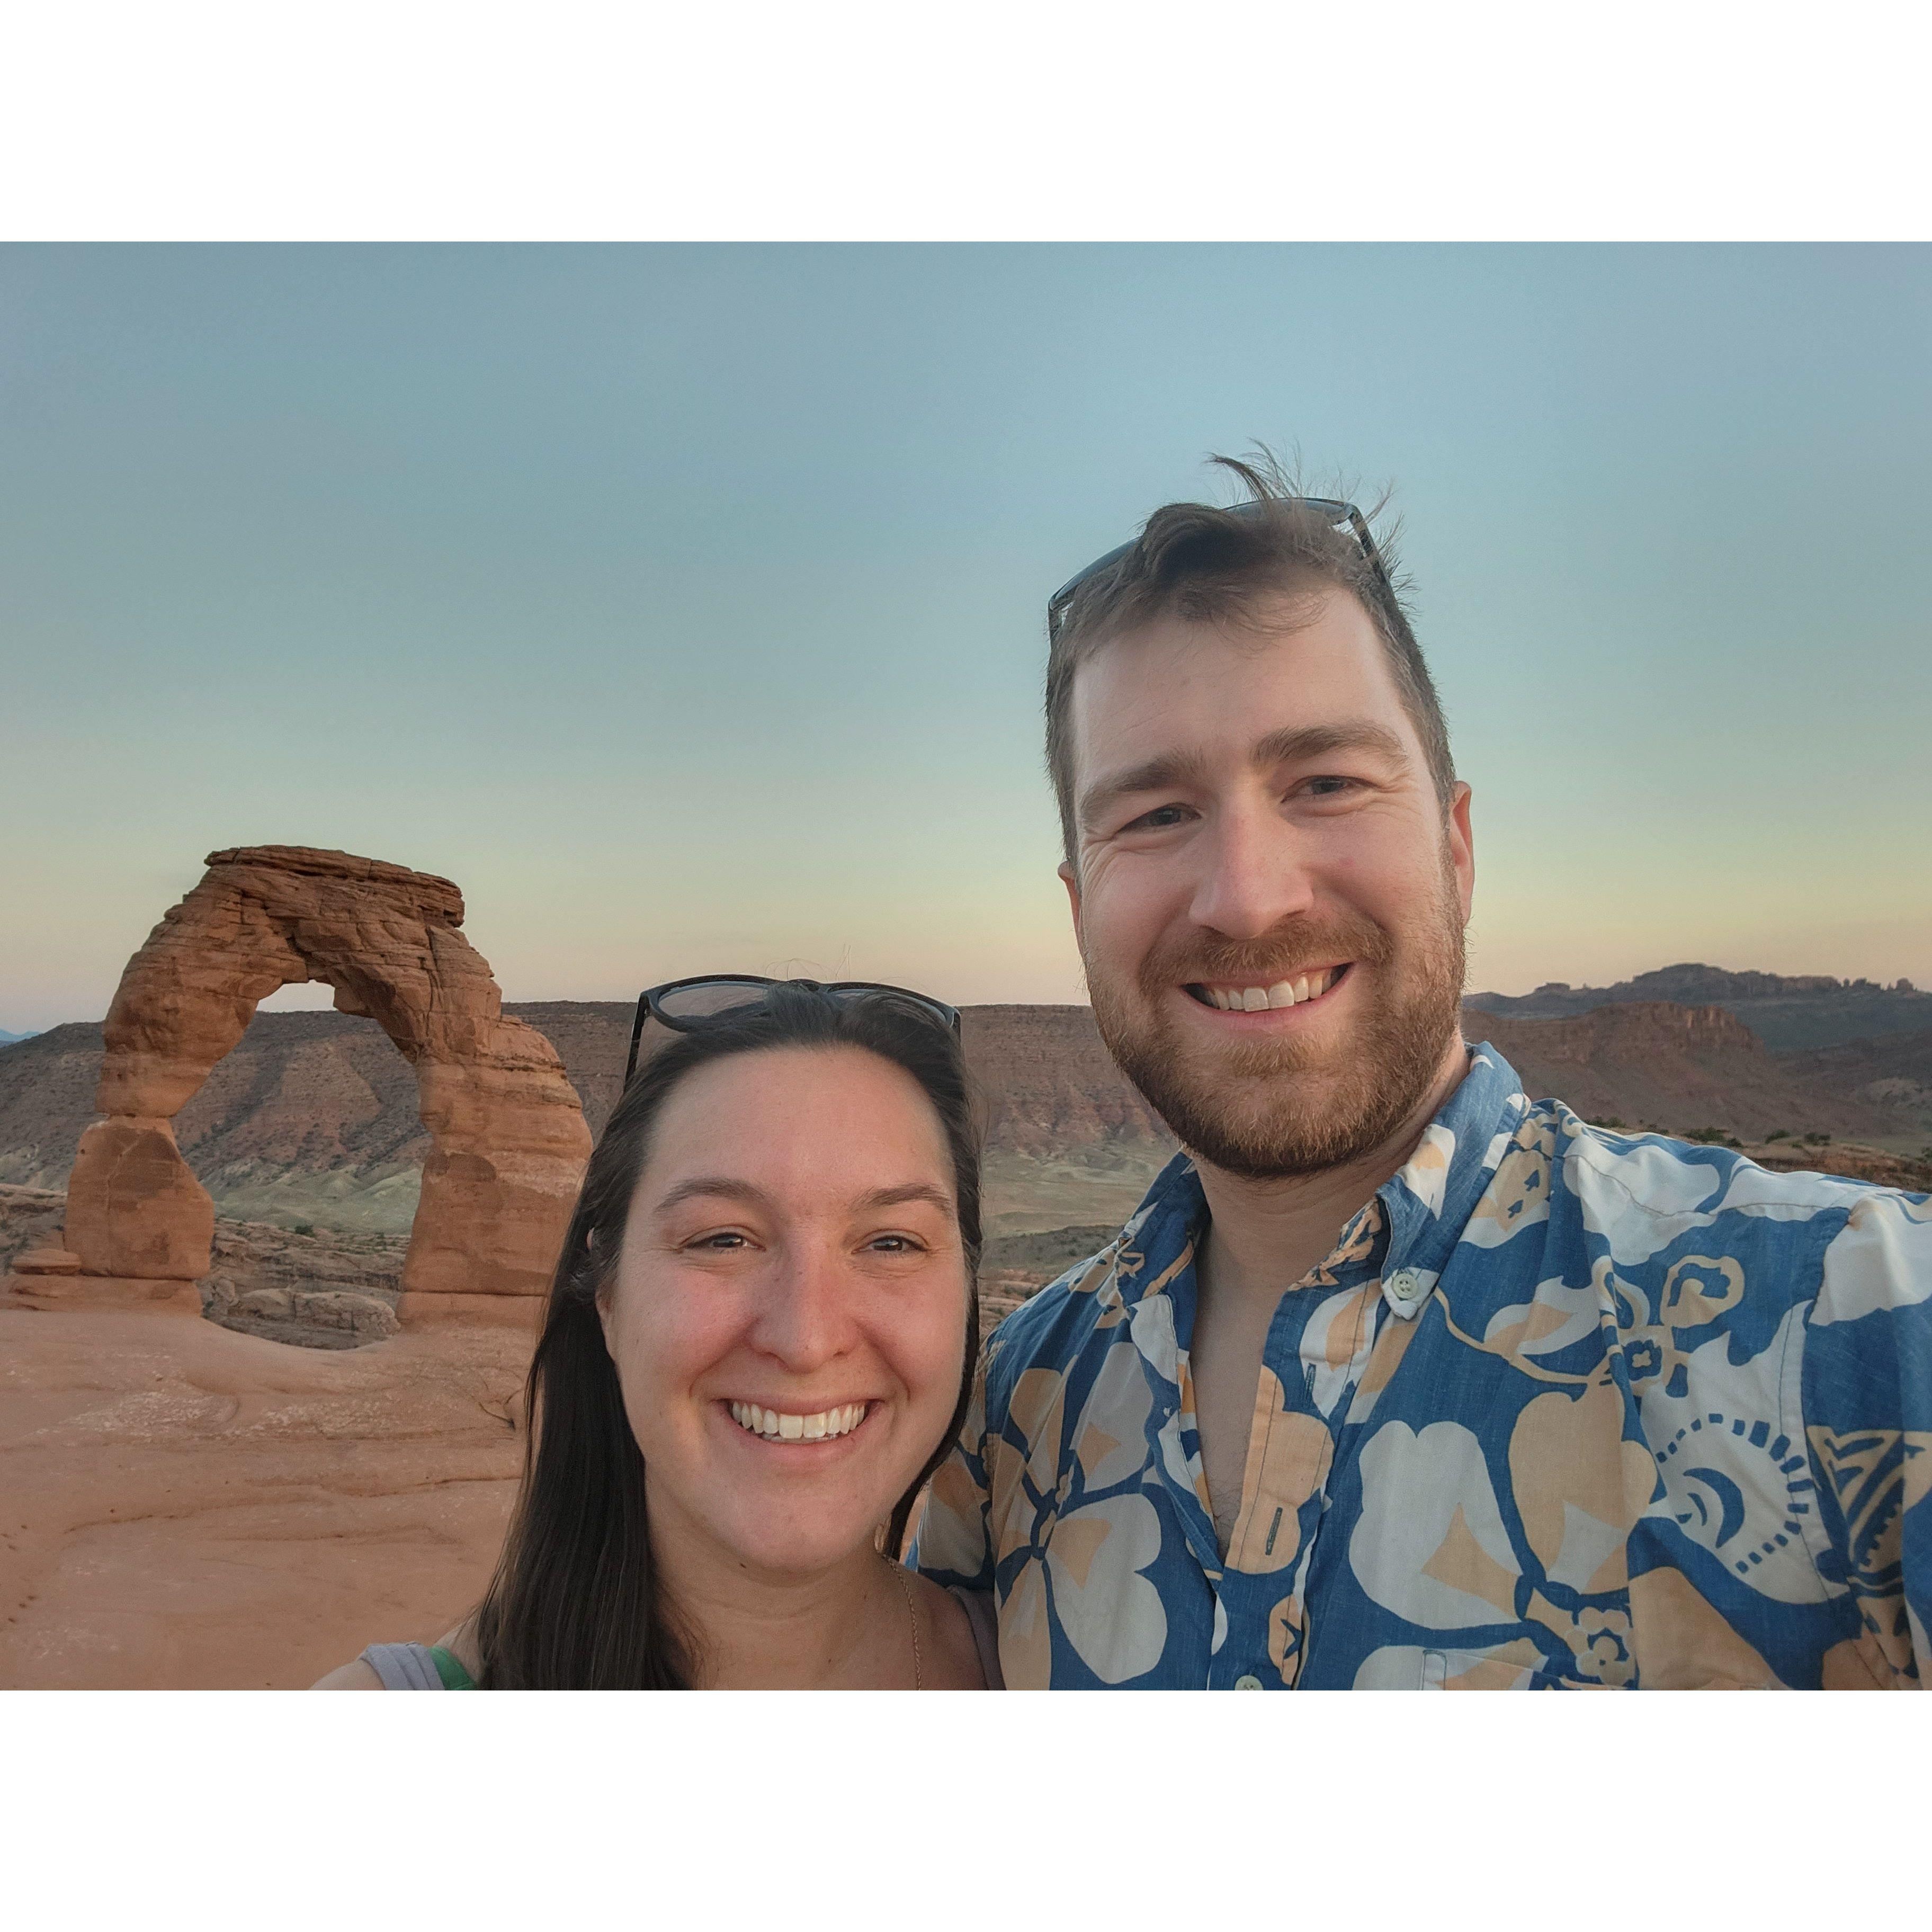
[(1786, 1012), (508, 1140)]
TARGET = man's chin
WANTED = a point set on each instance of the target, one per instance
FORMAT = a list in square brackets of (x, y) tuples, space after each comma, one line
[(1268, 1147), (1278, 1108), (1246, 1074)]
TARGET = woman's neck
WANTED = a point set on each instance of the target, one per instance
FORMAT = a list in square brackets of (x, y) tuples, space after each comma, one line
[(847, 1627)]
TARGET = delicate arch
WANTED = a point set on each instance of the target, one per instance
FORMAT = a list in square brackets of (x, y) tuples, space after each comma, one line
[(508, 1133)]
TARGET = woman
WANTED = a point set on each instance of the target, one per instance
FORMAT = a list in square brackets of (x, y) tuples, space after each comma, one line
[(758, 1345)]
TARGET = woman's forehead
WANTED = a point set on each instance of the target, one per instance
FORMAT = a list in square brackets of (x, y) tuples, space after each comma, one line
[(841, 1118)]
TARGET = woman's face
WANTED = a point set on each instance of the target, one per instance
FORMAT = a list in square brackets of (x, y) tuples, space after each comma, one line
[(788, 1314)]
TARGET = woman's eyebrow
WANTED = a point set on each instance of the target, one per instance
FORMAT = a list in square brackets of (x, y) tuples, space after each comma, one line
[(912, 1190), (716, 1185)]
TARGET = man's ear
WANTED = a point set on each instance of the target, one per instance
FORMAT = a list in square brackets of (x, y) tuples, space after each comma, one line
[(1070, 879), (1462, 846)]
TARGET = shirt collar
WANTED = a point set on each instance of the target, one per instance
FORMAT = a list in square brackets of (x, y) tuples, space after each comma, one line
[(1430, 1198), (1424, 1205)]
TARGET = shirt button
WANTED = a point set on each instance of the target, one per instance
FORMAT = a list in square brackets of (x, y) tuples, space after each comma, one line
[(1247, 1684), (1406, 1284)]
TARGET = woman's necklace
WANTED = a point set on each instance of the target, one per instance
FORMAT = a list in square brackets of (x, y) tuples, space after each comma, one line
[(912, 1616)]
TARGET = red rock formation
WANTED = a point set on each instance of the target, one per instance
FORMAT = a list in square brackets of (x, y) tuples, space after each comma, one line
[(1675, 1067), (1048, 1082), (508, 1137)]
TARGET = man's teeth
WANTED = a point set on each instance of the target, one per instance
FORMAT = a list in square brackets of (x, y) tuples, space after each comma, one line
[(1282, 993), (776, 1426)]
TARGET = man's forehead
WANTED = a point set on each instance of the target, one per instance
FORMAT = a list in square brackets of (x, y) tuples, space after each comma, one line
[(1238, 683)]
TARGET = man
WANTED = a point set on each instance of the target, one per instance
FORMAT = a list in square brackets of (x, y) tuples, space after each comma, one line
[(1396, 1379)]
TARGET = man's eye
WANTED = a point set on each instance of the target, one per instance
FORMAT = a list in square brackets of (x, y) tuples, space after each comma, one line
[(896, 1244), (1331, 786), (1159, 819)]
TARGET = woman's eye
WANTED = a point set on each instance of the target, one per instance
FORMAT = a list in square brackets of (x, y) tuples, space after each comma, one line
[(895, 1244), (722, 1242)]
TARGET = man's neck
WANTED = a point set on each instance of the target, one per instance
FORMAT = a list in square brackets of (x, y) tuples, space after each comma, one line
[(1265, 1235)]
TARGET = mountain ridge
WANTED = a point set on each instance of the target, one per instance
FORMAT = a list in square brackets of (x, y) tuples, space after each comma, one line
[(1790, 1012), (313, 1117)]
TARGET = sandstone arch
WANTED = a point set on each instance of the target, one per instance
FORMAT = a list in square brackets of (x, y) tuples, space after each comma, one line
[(509, 1141)]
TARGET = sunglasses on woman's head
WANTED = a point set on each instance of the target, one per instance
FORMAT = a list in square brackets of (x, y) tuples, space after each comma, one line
[(684, 1004)]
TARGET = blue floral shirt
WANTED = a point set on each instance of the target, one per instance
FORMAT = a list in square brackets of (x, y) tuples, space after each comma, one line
[(1563, 1408)]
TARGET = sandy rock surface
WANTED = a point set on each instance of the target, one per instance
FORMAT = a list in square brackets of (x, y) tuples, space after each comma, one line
[(181, 1506)]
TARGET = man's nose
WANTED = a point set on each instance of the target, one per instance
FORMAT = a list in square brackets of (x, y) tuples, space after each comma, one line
[(1256, 875), (805, 1316)]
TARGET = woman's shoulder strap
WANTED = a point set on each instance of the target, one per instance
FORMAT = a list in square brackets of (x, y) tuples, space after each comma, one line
[(417, 1667), (984, 1619)]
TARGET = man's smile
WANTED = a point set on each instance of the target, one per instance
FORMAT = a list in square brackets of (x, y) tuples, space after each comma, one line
[(1303, 989)]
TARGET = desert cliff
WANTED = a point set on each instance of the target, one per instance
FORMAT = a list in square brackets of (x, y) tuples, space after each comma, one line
[(312, 1117)]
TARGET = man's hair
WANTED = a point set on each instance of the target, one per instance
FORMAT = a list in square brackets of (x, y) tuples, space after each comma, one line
[(1205, 563)]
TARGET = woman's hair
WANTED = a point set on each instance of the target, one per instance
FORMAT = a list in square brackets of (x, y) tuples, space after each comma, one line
[(575, 1602)]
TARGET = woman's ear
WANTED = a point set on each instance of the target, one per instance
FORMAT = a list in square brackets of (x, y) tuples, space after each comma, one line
[(601, 1280)]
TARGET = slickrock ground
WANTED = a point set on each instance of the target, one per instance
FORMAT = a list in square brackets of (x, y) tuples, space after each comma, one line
[(181, 1506)]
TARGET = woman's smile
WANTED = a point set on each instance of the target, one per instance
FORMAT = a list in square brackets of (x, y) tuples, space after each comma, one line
[(790, 1425)]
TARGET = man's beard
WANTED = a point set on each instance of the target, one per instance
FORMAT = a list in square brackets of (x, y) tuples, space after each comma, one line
[(1266, 1109)]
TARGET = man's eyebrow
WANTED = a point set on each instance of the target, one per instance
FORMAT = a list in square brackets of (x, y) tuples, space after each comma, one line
[(1295, 742), (1168, 770)]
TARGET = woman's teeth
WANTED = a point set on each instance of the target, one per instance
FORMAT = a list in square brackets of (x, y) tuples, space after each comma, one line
[(776, 1427), (1282, 993)]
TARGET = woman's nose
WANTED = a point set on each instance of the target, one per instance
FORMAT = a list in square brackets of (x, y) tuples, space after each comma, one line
[(805, 1315)]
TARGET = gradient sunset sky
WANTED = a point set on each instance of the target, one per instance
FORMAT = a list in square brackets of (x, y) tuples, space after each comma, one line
[(684, 604)]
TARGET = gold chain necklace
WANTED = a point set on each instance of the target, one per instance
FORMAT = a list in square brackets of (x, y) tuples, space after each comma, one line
[(912, 1617)]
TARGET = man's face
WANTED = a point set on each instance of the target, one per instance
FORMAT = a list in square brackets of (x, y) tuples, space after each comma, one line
[(1256, 820)]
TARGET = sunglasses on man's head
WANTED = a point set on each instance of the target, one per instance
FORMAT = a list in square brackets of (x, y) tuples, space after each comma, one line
[(684, 1004), (1336, 511)]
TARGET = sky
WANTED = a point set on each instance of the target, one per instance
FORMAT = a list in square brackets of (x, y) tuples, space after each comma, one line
[(684, 604)]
